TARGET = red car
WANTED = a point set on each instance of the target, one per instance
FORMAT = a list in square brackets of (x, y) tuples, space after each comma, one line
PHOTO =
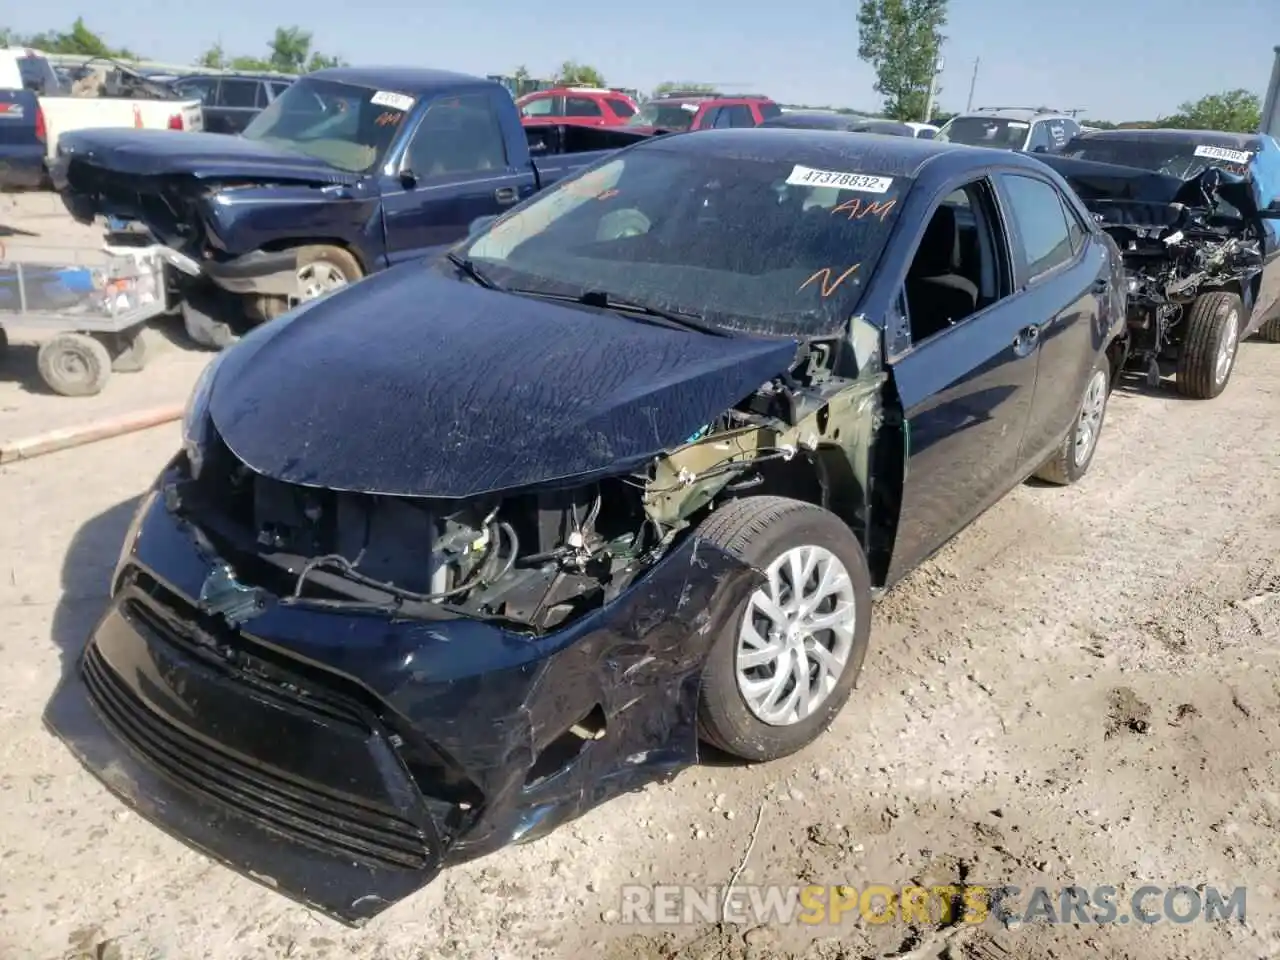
[(674, 112), (587, 106)]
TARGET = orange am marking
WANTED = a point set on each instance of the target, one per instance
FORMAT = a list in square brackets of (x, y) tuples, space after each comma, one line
[(827, 286), (857, 209)]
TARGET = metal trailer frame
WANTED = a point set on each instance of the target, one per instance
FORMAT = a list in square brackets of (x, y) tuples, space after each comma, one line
[(81, 345)]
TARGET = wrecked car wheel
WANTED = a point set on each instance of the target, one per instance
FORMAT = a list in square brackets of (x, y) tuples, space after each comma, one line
[(1071, 460), (785, 658), (74, 365), (1209, 345), (1270, 331), (324, 269)]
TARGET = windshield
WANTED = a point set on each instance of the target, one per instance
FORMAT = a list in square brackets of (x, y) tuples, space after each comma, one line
[(985, 132), (1181, 160), (760, 246), (346, 126), (668, 116)]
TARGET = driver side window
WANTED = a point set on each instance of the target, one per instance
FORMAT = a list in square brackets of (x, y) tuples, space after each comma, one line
[(960, 264), (457, 136)]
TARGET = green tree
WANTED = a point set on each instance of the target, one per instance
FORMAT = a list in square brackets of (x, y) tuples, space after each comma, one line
[(901, 40), (1233, 111), (579, 74), (289, 52), (79, 40), (668, 85)]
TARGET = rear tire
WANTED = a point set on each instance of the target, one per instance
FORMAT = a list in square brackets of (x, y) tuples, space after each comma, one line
[(754, 652), (1270, 331), (1210, 345), (1071, 460)]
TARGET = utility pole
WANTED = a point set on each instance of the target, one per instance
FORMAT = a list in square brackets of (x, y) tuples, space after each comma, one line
[(972, 83), (938, 64)]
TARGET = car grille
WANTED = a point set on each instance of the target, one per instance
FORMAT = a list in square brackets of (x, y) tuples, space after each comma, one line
[(296, 810)]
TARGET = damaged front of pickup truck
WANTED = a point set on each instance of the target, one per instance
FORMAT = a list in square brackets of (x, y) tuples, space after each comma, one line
[(1194, 214), (451, 556)]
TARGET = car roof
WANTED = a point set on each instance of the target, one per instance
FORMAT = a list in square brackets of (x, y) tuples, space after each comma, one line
[(1024, 114), (1208, 138), (415, 81), (890, 156)]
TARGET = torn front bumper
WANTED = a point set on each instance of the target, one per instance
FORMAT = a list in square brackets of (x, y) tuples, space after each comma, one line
[(343, 759), (262, 273)]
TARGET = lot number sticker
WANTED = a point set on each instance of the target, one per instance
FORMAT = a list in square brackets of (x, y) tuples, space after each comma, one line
[(396, 101), (809, 177), (1220, 153)]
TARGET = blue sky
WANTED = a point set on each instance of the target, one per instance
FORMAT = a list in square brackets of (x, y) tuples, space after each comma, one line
[(1115, 59)]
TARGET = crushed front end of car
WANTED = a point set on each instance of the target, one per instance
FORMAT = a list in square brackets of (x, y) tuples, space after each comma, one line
[(357, 634), (1179, 239)]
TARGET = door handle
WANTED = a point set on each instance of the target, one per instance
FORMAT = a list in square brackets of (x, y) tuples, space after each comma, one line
[(1026, 340), (506, 195)]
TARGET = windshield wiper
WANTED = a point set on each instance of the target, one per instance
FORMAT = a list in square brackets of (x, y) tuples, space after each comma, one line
[(469, 268), (640, 311)]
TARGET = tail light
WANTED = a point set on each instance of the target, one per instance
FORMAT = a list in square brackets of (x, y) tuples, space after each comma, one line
[(175, 122), (42, 132)]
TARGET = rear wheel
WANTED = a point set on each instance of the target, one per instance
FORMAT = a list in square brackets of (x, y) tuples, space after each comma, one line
[(1071, 460), (786, 657), (1270, 331), (1209, 345)]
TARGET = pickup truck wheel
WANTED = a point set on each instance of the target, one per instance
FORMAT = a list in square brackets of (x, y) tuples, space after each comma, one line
[(74, 365), (1209, 345), (1071, 460), (1270, 331), (323, 269), (785, 658)]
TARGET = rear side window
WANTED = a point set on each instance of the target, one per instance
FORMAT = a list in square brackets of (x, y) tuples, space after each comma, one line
[(278, 88), (739, 115), (582, 107), (238, 93), (37, 75), (770, 110), (1041, 219), (621, 108)]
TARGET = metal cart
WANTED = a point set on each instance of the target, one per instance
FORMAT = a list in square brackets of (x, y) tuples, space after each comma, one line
[(88, 320)]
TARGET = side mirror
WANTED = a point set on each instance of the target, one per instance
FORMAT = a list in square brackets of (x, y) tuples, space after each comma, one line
[(1272, 212), (408, 179), (479, 223), (1040, 148)]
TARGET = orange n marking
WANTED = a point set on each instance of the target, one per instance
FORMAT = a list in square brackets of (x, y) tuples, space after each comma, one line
[(827, 285)]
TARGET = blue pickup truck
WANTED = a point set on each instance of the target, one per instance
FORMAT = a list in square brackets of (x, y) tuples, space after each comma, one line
[(347, 172), (22, 140)]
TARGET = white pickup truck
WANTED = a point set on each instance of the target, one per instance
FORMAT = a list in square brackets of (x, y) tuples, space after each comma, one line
[(112, 96)]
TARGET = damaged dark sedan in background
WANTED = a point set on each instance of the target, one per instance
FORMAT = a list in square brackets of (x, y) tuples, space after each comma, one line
[(1195, 213), (454, 554)]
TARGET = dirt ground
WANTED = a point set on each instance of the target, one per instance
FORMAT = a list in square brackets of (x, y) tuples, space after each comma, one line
[(1082, 689)]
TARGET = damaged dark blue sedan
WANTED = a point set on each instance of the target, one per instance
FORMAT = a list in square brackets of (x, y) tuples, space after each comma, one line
[(458, 552)]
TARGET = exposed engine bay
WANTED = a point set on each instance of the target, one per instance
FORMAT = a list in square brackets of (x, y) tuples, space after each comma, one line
[(531, 561)]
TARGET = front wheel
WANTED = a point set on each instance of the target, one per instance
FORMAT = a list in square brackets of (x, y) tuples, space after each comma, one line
[(1209, 345), (785, 658), (1071, 460), (323, 269)]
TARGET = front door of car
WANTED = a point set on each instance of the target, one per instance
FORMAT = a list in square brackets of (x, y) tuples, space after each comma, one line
[(1266, 173), (1062, 275), (454, 170), (966, 376)]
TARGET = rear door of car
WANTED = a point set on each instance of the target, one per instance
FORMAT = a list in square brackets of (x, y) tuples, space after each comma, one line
[(1062, 273)]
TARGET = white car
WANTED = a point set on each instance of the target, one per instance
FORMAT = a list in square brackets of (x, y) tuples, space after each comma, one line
[(923, 131)]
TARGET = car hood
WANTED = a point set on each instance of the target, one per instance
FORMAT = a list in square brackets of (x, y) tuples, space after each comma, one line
[(412, 383), (1094, 181), (201, 155)]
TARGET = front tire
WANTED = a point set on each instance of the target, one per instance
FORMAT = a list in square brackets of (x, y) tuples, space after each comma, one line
[(323, 269), (1071, 460), (786, 657), (1209, 345)]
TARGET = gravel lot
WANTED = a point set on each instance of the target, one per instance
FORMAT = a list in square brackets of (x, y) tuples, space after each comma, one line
[(1083, 688)]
